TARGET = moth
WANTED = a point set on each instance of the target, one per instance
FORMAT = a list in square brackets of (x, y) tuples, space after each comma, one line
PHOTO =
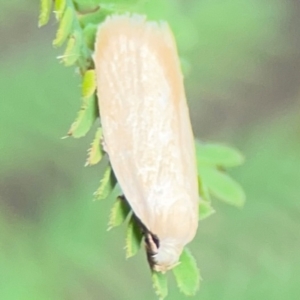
[(147, 131)]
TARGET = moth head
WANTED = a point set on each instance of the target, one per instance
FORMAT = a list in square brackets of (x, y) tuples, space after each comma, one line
[(162, 255)]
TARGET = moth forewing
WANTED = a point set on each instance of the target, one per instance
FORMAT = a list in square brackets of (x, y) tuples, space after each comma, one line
[(147, 129)]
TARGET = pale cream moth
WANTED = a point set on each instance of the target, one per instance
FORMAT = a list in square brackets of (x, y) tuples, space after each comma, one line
[(147, 131)]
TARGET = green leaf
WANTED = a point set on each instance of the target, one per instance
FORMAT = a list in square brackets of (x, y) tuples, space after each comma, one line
[(94, 18), (107, 183), (134, 237), (95, 153), (160, 284), (203, 190), (222, 186), (88, 83), (85, 118), (72, 52), (107, 4), (59, 8), (87, 4), (205, 210), (89, 33), (45, 11), (218, 155), (64, 28), (118, 213), (187, 274)]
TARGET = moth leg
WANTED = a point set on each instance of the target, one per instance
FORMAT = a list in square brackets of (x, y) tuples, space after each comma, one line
[(151, 243), (151, 240), (123, 198)]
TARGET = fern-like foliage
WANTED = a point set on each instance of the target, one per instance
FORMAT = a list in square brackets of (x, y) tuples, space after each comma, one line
[(77, 24)]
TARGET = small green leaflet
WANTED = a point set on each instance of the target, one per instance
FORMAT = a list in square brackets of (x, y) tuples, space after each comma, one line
[(203, 190), (116, 189), (222, 186), (88, 83), (107, 183), (134, 237), (118, 213), (89, 110), (45, 11), (160, 284), (218, 155), (85, 118), (73, 49), (64, 28), (187, 274), (89, 33), (205, 210), (59, 8), (95, 152)]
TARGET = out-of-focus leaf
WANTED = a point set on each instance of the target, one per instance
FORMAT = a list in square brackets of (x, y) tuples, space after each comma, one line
[(45, 11), (215, 23), (107, 184), (222, 186), (185, 32), (85, 119), (218, 155), (88, 83), (187, 274), (59, 8), (94, 18), (72, 52), (95, 153), (118, 213), (203, 190), (205, 210), (64, 28), (89, 33), (160, 284), (107, 4), (134, 238)]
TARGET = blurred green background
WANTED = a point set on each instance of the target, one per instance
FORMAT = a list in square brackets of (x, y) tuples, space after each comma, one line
[(242, 65)]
